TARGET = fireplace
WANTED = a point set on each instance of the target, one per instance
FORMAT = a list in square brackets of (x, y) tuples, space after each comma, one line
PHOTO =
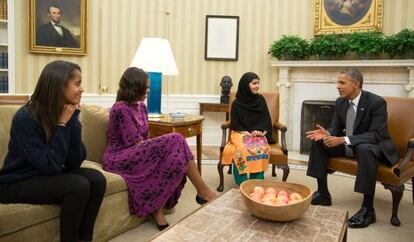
[(313, 113), (299, 81)]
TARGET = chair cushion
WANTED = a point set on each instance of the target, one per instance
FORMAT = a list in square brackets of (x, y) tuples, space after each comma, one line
[(94, 121), (385, 174), (276, 155)]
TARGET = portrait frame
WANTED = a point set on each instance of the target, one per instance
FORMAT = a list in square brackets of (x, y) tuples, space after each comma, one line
[(73, 34), (222, 38), (332, 16)]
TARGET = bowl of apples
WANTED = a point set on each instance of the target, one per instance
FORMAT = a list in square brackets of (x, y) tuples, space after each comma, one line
[(276, 201)]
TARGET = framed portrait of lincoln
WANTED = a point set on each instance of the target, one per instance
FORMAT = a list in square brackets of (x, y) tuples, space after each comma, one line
[(58, 26), (345, 16)]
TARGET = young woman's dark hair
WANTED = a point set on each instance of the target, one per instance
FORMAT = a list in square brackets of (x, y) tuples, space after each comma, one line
[(133, 85), (47, 101)]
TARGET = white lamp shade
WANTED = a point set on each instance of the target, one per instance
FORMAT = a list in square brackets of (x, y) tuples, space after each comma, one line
[(155, 55)]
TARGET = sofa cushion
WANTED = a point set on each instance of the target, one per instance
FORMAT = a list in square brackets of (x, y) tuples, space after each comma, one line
[(6, 116), (94, 121), (14, 217), (114, 182)]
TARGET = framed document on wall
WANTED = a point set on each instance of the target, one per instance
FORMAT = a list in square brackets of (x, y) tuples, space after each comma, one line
[(222, 38), (57, 27), (345, 16)]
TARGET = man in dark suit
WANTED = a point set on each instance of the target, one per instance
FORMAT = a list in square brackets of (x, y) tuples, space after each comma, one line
[(358, 130), (53, 34)]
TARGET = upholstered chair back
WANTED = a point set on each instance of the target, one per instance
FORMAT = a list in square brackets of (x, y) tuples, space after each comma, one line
[(272, 101), (400, 122)]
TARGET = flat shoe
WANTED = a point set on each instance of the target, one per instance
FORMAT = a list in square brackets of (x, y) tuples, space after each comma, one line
[(200, 200)]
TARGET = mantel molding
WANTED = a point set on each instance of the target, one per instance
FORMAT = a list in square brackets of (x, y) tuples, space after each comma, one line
[(409, 63)]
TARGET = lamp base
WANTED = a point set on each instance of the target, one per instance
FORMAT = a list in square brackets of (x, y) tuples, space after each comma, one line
[(154, 96)]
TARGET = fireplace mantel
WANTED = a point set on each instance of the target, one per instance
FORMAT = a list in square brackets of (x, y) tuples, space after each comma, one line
[(345, 63), (316, 80)]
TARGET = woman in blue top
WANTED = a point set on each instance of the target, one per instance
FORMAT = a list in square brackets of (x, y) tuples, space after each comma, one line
[(42, 165)]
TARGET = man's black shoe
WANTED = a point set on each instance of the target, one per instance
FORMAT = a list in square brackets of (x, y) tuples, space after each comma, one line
[(362, 218), (321, 199)]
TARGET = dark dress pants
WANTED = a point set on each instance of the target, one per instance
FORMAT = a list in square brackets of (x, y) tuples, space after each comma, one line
[(78, 192), (368, 157)]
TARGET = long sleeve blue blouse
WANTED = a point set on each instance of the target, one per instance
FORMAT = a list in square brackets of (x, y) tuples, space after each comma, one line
[(30, 154)]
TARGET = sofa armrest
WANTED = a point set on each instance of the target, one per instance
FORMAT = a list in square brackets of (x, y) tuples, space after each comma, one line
[(407, 158)]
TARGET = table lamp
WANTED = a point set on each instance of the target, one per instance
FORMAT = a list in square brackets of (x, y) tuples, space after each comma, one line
[(154, 55)]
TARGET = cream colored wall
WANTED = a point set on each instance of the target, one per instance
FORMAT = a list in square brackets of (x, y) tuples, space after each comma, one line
[(115, 28)]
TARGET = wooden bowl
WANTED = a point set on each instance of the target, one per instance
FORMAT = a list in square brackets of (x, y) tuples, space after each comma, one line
[(287, 212)]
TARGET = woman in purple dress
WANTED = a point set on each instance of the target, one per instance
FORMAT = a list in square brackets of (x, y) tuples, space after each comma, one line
[(154, 169)]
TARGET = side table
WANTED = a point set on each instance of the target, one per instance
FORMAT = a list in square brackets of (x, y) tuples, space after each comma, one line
[(191, 125), (215, 107)]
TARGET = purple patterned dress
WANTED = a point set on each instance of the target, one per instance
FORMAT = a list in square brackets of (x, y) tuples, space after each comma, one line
[(155, 169)]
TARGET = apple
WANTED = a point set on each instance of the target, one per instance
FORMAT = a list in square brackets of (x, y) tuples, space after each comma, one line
[(282, 198), (283, 193), (280, 203), (255, 196), (295, 196), (268, 202), (259, 190), (270, 190), (268, 197), (273, 198)]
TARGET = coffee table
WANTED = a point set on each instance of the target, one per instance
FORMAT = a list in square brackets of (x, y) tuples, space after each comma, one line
[(226, 219)]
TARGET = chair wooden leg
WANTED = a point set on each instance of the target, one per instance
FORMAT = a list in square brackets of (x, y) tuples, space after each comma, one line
[(412, 187), (397, 193), (230, 167), (220, 172), (274, 170), (286, 171)]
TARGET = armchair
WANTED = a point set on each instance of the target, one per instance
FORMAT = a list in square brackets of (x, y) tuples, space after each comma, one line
[(278, 152), (401, 129)]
